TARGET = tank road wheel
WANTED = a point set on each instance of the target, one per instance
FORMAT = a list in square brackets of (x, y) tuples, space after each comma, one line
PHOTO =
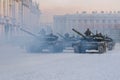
[(76, 49), (101, 49), (56, 49), (110, 47)]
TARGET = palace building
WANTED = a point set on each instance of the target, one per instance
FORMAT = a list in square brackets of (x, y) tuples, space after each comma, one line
[(18, 13), (106, 23)]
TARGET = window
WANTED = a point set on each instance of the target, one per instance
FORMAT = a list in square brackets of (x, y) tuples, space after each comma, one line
[(103, 21), (97, 21), (79, 21), (115, 21), (85, 21), (109, 21)]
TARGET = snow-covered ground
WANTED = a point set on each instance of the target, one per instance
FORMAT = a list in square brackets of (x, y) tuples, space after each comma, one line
[(16, 64)]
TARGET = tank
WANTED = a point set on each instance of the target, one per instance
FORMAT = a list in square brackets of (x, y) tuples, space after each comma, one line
[(110, 42), (94, 42), (43, 42), (68, 40)]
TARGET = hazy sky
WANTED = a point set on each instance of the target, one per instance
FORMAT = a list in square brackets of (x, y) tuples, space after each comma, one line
[(52, 7)]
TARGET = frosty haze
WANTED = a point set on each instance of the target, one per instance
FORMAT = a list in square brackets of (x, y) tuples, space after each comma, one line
[(16, 64)]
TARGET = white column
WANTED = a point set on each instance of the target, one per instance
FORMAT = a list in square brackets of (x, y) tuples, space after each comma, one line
[(0, 7)]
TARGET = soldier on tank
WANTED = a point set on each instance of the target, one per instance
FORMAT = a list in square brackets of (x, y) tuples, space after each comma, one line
[(67, 36), (88, 32), (99, 35), (42, 32)]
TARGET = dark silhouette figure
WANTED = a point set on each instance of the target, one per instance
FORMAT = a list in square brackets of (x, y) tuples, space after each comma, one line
[(88, 32), (42, 32)]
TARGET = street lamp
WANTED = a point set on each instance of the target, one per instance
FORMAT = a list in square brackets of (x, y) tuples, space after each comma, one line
[(6, 29)]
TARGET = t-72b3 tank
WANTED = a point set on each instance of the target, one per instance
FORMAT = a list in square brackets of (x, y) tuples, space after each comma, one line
[(90, 43), (44, 42)]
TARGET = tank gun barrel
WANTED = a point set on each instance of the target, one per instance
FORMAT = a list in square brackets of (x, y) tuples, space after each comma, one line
[(28, 32), (78, 33), (61, 36)]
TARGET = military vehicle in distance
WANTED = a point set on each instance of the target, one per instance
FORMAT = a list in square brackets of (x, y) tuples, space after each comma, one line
[(42, 42), (68, 40), (94, 42)]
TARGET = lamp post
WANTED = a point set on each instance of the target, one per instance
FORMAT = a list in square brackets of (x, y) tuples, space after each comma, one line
[(6, 29)]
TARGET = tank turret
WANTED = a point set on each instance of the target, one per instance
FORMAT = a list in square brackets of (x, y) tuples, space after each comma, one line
[(68, 40), (89, 43), (79, 33), (43, 41)]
